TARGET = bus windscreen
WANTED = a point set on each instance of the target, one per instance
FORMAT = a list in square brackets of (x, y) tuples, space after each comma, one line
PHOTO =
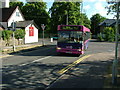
[(70, 37)]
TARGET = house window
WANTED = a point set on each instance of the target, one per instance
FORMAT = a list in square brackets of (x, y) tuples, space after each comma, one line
[(17, 14)]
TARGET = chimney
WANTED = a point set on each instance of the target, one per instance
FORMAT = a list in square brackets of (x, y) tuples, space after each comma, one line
[(5, 3)]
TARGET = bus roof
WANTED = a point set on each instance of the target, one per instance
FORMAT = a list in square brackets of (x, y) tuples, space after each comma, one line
[(83, 28)]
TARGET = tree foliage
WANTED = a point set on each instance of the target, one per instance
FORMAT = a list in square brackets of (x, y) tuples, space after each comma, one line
[(20, 34), (112, 7), (61, 12), (95, 21), (86, 22), (6, 35), (109, 34), (36, 11), (17, 3)]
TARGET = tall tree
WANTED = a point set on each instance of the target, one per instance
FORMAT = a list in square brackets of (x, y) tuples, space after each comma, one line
[(112, 7), (85, 21), (17, 3), (64, 13), (95, 20), (36, 11)]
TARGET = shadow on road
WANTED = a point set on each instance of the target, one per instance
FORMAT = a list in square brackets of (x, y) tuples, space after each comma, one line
[(88, 74), (34, 75), (42, 51)]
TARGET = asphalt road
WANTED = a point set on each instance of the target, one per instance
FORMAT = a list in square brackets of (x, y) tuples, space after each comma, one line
[(39, 67)]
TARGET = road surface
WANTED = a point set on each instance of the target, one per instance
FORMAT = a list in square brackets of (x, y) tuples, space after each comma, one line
[(40, 67)]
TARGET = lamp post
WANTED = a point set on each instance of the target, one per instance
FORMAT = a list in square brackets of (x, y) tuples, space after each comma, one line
[(13, 28), (81, 12), (43, 27), (115, 62), (67, 19)]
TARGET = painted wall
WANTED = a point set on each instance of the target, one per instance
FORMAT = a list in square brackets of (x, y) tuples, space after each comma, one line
[(31, 39), (15, 18)]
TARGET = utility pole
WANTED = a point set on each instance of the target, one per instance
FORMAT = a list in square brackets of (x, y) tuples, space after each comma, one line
[(43, 28), (115, 62), (81, 13), (13, 28), (67, 19)]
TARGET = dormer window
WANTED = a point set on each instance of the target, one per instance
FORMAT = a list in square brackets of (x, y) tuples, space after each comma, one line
[(17, 14)]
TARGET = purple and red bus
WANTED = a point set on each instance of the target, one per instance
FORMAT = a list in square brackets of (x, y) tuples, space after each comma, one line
[(72, 39)]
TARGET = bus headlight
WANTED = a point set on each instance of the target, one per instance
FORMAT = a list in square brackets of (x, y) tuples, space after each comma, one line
[(79, 50), (58, 48)]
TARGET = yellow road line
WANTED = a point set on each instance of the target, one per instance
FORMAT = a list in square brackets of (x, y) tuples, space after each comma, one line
[(73, 64)]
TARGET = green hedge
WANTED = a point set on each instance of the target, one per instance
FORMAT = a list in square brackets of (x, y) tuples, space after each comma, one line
[(7, 34), (20, 34), (107, 35)]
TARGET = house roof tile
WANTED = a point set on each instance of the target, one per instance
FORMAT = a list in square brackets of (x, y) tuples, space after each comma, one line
[(6, 13), (108, 22), (23, 24)]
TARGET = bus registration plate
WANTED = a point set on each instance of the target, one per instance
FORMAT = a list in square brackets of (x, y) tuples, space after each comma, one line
[(68, 52)]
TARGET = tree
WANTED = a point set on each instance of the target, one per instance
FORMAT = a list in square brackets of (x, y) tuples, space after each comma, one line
[(95, 20), (86, 21), (112, 7), (36, 11), (18, 3), (65, 13)]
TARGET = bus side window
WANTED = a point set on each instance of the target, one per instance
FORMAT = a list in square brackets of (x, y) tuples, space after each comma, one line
[(86, 36)]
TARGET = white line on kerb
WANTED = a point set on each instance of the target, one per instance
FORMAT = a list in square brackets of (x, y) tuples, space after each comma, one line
[(36, 60)]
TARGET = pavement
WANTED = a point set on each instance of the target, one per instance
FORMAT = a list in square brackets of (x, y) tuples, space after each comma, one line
[(92, 72), (89, 73), (9, 49)]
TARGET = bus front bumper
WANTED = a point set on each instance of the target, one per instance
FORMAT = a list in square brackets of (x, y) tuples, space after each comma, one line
[(73, 51)]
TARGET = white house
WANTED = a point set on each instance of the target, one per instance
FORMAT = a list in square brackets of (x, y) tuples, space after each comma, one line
[(31, 30), (10, 15)]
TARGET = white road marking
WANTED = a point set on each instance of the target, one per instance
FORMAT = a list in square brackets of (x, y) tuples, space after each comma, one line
[(36, 60), (41, 59)]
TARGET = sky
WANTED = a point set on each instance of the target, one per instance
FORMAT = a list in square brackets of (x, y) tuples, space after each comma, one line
[(90, 7)]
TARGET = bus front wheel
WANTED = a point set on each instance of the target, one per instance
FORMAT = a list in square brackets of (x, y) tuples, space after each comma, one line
[(85, 47)]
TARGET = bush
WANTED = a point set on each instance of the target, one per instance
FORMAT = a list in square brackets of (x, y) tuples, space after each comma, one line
[(100, 37), (19, 34), (109, 34), (6, 34)]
